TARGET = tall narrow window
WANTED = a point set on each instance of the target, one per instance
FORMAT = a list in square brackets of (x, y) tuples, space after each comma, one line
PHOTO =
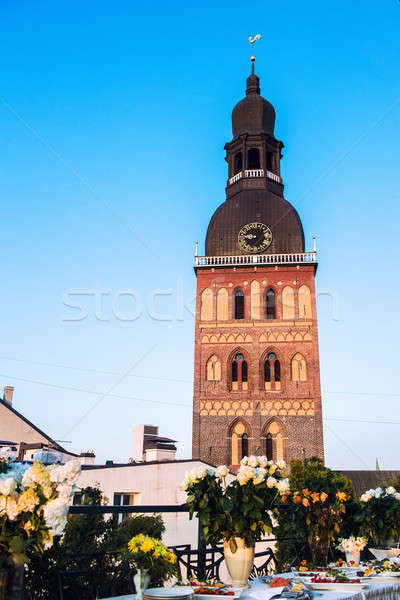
[(239, 373), (277, 369), (239, 434), (239, 304), (272, 372), (253, 158), (271, 304), (299, 368), (238, 163), (268, 447), (245, 445), (234, 371), (213, 371), (269, 161)]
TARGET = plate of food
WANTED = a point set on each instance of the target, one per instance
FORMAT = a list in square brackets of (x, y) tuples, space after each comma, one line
[(336, 583), (213, 590)]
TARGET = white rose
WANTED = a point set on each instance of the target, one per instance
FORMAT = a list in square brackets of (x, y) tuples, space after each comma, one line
[(262, 461), (281, 464), (378, 492), (242, 478), (184, 485), (283, 486), (193, 476), (390, 490), (260, 476), (12, 510), (201, 472), (271, 482), (222, 471), (244, 460), (397, 495), (366, 497), (7, 484), (252, 461)]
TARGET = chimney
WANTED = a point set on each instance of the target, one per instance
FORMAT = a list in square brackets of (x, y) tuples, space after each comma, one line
[(8, 393)]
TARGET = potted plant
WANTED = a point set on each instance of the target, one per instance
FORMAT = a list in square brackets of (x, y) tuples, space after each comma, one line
[(236, 509), (34, 502), (322, 514), (379, 518), (153, 561), (352, 547)]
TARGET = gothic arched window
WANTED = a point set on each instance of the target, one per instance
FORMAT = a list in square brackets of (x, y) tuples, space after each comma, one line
[(239, 304), (299, 368), (272, 372), (245, 445), (271, 304), (238, 163), (269, 447), (239, 373), (239, 434), (253, 158)]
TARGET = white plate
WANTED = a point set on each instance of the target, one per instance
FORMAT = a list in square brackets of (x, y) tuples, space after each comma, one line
[(169, 592), (383, 554), (217, 596), (338, 587)]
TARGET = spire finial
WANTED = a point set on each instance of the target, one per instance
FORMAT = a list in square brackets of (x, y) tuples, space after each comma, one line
[(253, 82)]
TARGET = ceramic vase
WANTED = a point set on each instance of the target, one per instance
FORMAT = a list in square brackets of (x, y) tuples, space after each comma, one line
[(239, 563)]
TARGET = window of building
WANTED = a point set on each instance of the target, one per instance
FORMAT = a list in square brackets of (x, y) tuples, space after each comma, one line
[(239, 373), (272, 372), (269, 161), (239, 304), (253, 158), (213, 371), (274, 441), (245, 445), (268, 447), (239, 434), (238, 163), (271, 304), (127, 498)]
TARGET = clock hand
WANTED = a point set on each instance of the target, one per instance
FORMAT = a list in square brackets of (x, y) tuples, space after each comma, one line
[(250, 236)]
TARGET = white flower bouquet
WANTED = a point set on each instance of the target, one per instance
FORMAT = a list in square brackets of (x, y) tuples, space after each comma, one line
[(352, 545), (34, 502), (379, 515), (239, 508)]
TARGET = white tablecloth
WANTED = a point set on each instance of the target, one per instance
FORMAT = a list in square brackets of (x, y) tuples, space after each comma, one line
[(260, 591)]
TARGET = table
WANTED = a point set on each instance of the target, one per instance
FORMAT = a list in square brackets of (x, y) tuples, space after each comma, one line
[(259, 591)]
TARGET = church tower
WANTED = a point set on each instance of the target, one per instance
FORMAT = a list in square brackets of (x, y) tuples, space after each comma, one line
[(256, 379)]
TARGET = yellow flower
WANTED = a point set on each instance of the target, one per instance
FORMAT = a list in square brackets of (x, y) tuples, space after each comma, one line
[(147, 546), (306, 502), (40, 474), (28, 500), (156, 553), (323, 496), (28, 527), (341, 496), (315, 497)]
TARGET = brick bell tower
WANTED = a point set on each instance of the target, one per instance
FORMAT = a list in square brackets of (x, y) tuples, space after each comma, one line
[(256, 379)]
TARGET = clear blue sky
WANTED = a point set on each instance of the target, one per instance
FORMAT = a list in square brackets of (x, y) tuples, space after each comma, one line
[(113, 118)]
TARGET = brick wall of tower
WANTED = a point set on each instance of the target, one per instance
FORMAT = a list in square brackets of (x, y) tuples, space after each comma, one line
[(296, 407)]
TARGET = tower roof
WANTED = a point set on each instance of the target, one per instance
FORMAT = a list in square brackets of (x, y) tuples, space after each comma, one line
[(254, 114)]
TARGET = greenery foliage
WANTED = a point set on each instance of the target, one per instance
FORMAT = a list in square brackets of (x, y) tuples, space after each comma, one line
[(294, 522), (90, 543)]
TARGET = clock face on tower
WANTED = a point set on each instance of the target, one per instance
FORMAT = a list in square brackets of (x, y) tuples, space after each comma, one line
[(254, 238)]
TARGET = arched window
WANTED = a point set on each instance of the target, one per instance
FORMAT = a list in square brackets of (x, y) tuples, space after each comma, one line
[(213, 368), (245, 445), (239, 373), (304, 302), (299, 368), (239, 434), (239, 304), (206, 305), (271, 304), (253, 158), (222, 305), (269, 161), (269, 447), (272, 372), (274, 441), (288, 311), (238, 163)]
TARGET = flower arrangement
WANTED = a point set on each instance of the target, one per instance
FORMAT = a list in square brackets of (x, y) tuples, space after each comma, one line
[(239, 508), (321, 512), (352, 544), (146, 552), (152, 560), (379, 514), (34, 502)]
